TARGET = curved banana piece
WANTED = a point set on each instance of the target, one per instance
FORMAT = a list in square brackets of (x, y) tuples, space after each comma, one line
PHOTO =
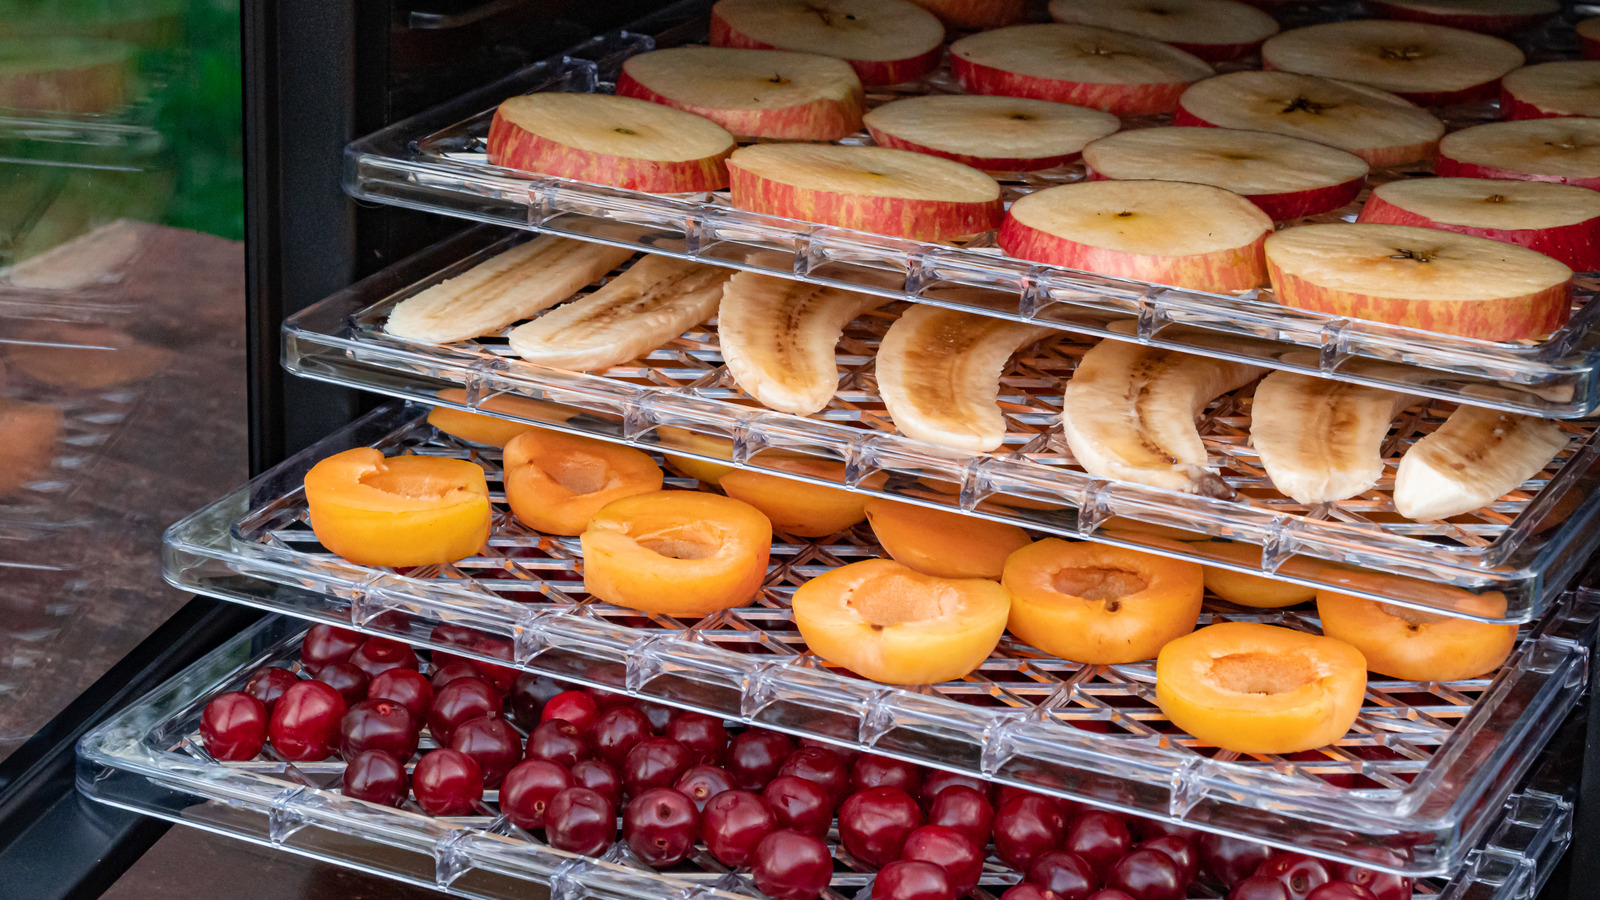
[(1129, 414), (939, 375), (650, 304), (1477, 456), (1321, 440), (778, 338)]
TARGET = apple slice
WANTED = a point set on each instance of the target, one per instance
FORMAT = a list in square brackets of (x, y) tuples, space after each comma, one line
[(1123, 74), (1566, 151), (976, 15), (885, 41), (1420, 278), (1375, 125), (876, 189), (1589, 37), (1486, 16), (1429, 64), (998, 134), (1214, 30), (1559, 220), (751, 93), (1550, 90), (1170, 232), (1287, 177), (602, 139)]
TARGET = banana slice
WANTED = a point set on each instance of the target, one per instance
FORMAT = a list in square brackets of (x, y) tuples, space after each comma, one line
[(778, 338), (1476, 456), (1129, 414), (505, 288), (650, 304), (1321, 440), (939, 375)]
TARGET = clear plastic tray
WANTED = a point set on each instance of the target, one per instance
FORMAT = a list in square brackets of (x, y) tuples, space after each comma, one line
[(435, 161), (1525, 546), (147, 759), (1421, 765)]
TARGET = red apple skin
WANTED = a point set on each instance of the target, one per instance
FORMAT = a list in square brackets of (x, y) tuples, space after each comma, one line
[(1215, 53), (976, 15), (1497, 25), (820, 120), (986, 163), (1445, 167), (1376, 157), (1576, 245), (924, 220), (1219, 272), (871, 72), (516, 148), (1512, 109), (1118, 99), (1296, 204)]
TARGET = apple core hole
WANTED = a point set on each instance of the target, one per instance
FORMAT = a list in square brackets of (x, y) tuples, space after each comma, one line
[(1258, 672), (895, 599), (580, 473), (1099, 584), (409, 484)]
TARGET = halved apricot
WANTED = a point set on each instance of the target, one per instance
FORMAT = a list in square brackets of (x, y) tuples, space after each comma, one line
[(1258, 591), (1098, 604), (709, 444), (1417, 646), (487, 429), (888, 622), (941, 543), (1256, 688), (556, 482), (400, 511), (680, 553), (799, 507), (28, 433)]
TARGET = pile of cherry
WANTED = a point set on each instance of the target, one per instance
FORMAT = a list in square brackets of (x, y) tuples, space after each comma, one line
[(753, 800)]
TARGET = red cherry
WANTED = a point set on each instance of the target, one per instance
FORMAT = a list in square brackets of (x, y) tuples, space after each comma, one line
[(579, 820), (502, 677), (820, 766), (526, 792), (912, 880), (874, 824), (755, 756), (407, 687), (268, 683), (1100, 838), (459, 702), (788, 865), (1341, 890), (1067, 875), (1299, 873), (944, 846), (704, 735), (1149, 829), (576, 707), (1110, 894), (450, 671), (1179, 850), (845, 754), (702, 782), (377, 725), (304, 726), (529, 693), (1027, 890), (349, 681), (657, 762), (660, 826), (733, 823), (618, 730), (325, 644), (447, 783), (599, 777), (1008, 792), (870, 771), (936, 780), (559, 741), (605, 700), (492, 743), (376, 776), (660, 716), (1259, 887), (378, 655), (965, 810), (1230, 860), (800, 805), (1025, 827), (234, 726), (1148, 875), (1383, 885)]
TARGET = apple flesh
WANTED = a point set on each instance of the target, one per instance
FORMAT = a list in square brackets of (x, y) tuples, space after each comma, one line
[(1486, 16), (997, 134), (1420, 278), (885, 41), (1169, 232), (602, 139), (875, 189), (1427, 64), (1558, 220), (1098, 68), (751, 93), (1552, 89), (1589, 37), (1563, 150), (976, 15), (1213, 30)]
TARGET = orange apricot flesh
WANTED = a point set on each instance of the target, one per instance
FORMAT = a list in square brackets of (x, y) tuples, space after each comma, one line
[(799, 507), (710, 444), (556, 482), (1099, 604), (941, 543), (1256, 688), (490, 429), (890, 623), (28, 433), (1417, 646), (1258, 591), (400, 511), (678, 553)]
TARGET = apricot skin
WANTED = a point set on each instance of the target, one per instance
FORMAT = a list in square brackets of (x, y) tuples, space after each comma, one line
[(798, 507), (944, 544), (489, 429), (401, 511), (1415, 646), (1259, 591), (556, 482)]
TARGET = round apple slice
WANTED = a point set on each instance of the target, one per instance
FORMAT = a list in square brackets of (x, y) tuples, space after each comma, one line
[(1170, 232), (1375, 125), (1214, 30), (1486, 16), (603, 139), (753, 93), (874, 189), (885, 41), (1559, 220), (1430, 64), (998, 134), (1287, 177), (1589, 37), (1420, 278), (1566, 151), (1123, 74), (976, 15), (1552, 89)]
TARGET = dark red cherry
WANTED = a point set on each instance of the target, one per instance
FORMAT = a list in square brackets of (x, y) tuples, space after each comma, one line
[(1179, 850), (965, 810), (618, 730), (800, 805), (1110, 894), (349, 681), (702, 782), (1299, 873), (325, 644), (1100, 838), (821, 766), (378, 655), (936, 780), (874, 824), (450, 635), (1148, 875), (871, 771), (407, 687), (234, 726), (455, 668), (447, 783), (1383, 885), (492, 743), (1259, 887), (1067, 875), (1148, 829), (704, 735), (529, 693), (502, 677), (377, 725), (755, 756), (733, 823), (942, 845), (459, 702), (788, 865), (1025, 827), (559, 741), (528, 788), (599, 777), (912, 880), (376, 776), (605, 699), (660, 826), (304, 726), (1226, 861), (576, 707), (657, 762), (1027, 890), (660, 716), (1341, 890), (580, 821), (268, 683)]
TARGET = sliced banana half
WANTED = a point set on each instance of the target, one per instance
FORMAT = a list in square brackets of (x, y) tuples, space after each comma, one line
[(1477, 456), (1322, 440)]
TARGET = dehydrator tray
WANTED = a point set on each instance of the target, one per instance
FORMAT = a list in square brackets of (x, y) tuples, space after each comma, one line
[(148, 759), (1422, 765), (681, 399), (436, 162)]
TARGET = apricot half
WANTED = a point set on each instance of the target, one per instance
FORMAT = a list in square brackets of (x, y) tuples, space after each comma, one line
[(1256, 688), (694, 467), (488, 429), (799, 507), (680, 553), (400, 511), (1416, 646), (556, 482), (1258, 591), (888, 622), (941, 543), (1098, 604)]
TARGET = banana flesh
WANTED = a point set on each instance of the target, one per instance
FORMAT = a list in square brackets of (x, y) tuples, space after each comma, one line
[(778, 338), (1321, 440), (939, 375), (650, 304), (503, 289), (1477, 456), (1130, 414)]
